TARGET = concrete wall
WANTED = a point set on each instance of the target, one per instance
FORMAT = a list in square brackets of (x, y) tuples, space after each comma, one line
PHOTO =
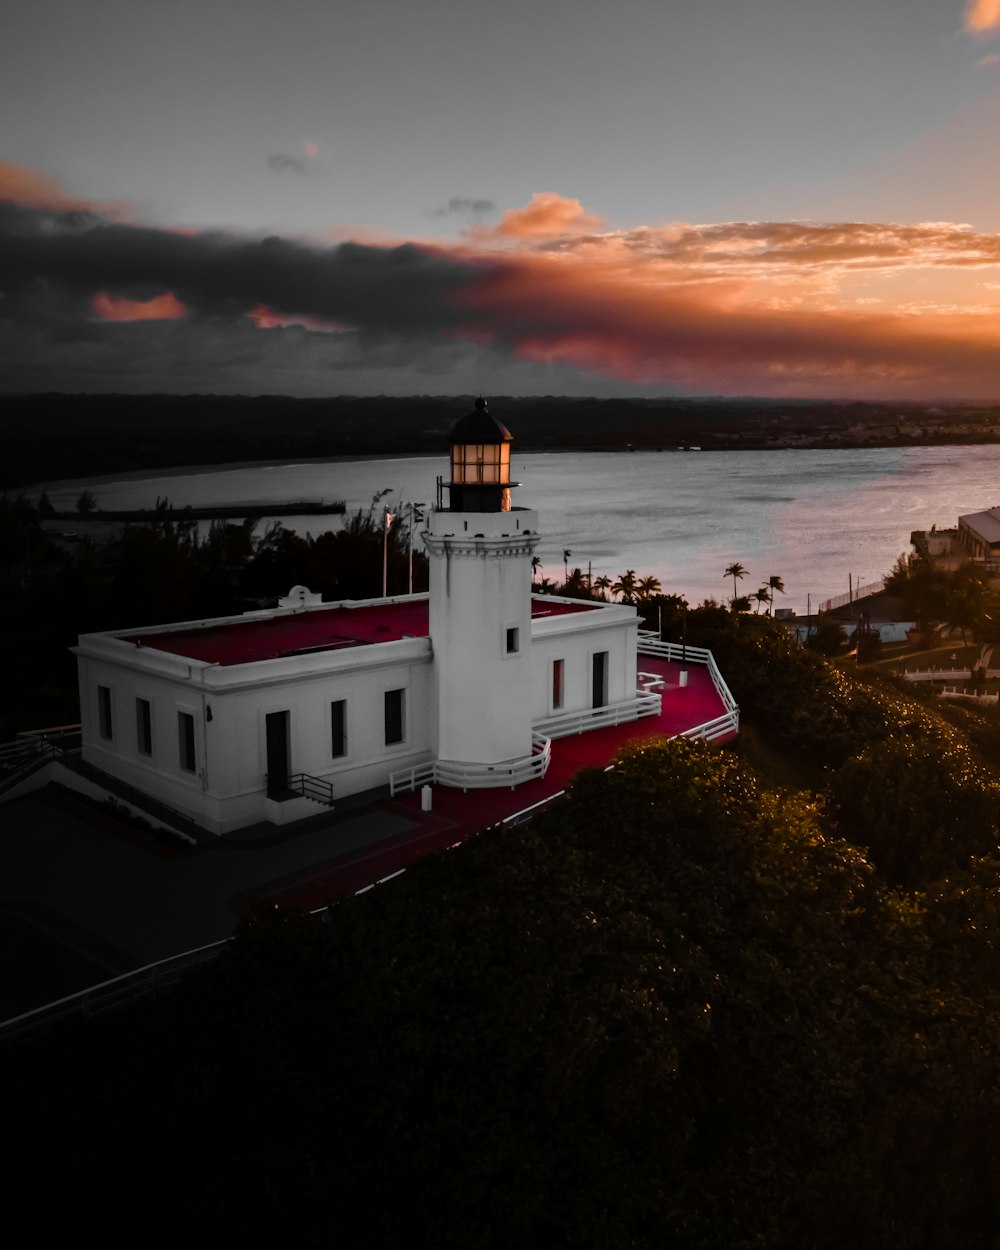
[(229, 706), (480, 591), (575, 638)]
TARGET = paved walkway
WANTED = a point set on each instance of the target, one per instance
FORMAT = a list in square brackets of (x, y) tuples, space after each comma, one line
[(122, 899)]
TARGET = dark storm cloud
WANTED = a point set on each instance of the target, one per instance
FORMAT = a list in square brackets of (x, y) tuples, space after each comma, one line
[(282, 163), (406, 288), (465, 206)]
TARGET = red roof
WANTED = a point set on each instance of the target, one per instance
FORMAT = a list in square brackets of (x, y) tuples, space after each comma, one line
[(322, 629)]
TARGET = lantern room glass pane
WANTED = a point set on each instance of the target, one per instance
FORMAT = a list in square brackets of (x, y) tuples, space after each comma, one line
[(478, 464)]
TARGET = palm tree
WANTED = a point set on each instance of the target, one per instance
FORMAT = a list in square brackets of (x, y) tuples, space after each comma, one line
[(566, 555), (774, 584), (647, 587), (536, 564), (762, 596), (625, 586), (602, 584), (735, 570)]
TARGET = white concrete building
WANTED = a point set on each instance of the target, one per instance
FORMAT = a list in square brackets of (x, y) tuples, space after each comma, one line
[(258, 717)]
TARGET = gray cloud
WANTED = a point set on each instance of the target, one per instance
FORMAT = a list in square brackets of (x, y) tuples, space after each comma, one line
[(408, 288), (282, 163), (465, 206)]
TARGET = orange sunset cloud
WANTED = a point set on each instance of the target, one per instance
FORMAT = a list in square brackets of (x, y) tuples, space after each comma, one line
[(22, 185), (982, 16), (165, 307), (546, 214)]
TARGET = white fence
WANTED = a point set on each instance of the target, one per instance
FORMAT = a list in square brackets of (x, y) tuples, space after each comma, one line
[(646, 703), (679, 653), (937, 674), (859, 592), (476, 776)]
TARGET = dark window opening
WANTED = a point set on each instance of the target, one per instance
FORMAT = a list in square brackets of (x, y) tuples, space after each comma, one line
[(513, 640), (558, 678), (393, 717), (338, 728), (185, 741), (600, 682), (144, 726), (105, 725)]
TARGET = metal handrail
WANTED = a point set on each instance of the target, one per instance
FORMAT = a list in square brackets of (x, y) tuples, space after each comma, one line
[(311, 787)]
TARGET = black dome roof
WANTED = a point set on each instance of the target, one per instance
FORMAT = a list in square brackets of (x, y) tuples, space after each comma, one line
[(481, 427)]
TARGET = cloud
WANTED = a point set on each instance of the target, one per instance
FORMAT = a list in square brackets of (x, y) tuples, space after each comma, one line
[(989, 61), (547, 214), (32, 189), (784, 308), (466, 206), (165, 307), (282, 163), (982, 16)]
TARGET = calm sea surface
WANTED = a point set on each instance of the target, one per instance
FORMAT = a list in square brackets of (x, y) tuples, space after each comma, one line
[(813, 518)]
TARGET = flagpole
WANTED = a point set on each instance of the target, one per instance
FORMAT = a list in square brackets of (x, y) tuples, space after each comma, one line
[(385, 553)]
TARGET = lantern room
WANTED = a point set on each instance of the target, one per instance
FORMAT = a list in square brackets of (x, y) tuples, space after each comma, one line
[(480, 463)]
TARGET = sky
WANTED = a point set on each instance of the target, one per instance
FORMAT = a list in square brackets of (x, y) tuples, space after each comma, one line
[(793, 198)]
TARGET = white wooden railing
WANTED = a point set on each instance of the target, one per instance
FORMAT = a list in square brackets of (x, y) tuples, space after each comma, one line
[(937, 674), (462, 776), (951, 692), (680, 653), (646, 703)]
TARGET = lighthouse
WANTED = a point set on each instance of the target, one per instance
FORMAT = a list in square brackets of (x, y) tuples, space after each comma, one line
[(480, 550)]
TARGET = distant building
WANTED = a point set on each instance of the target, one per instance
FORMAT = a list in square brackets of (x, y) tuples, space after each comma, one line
[(979, 534), (259, 717)]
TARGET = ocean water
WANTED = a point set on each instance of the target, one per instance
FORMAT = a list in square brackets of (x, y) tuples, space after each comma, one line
[(815, 518)]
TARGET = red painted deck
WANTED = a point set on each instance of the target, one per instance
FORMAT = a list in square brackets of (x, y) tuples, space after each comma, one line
[(323, 629), (456, 815)]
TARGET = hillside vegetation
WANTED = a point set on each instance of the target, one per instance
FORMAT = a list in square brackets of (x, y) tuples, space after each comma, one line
[(679, 1009)]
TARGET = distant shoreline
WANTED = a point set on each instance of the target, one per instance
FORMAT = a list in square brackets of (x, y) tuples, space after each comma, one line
[(92, 438), (224, 466)]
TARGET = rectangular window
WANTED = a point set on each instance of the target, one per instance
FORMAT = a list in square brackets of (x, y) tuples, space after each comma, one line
[(600, 678), (513, 640), (185, 741), (105, 725), (338, 728), (144, 726), (394, 710), (558, 679)]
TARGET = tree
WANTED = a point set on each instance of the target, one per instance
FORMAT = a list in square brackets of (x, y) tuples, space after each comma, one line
[(739, 603), (774, 584), (536, 564), (602, 585), (45, 507), (761, 596), (921, 586), (735, 570), (86, 504), (827, 635), (647, 587), (566, 555), (625, 586), (966, 599)]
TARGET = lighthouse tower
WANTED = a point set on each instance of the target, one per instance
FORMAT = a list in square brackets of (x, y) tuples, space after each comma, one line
[(480, 551)]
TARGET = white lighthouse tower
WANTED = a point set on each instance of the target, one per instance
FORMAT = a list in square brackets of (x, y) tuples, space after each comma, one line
[(480, 551)]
